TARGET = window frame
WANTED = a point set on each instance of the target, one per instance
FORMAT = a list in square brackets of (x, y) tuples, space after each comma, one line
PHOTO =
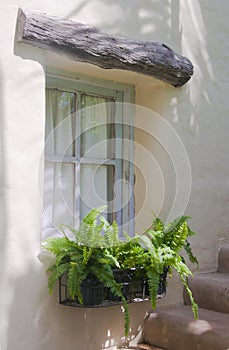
[(124, 114)]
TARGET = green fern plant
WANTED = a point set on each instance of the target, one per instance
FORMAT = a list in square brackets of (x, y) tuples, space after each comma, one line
[(89, 253), (164, 244), (158, 252), (96, 250)]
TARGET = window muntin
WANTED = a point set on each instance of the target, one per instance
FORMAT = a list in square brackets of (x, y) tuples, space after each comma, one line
[(84, 153)]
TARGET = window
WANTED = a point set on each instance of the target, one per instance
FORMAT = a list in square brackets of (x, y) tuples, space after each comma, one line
[(88, 152)]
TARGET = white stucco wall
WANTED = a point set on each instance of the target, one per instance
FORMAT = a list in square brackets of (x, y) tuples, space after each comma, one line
[(198, 112)]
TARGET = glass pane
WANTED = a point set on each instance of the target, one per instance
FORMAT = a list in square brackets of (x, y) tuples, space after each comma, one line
[(59, 130), (97, 188), (97, 127), (58, 194)]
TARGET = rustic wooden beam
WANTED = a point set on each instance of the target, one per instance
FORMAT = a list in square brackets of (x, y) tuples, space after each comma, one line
[(88, 44)]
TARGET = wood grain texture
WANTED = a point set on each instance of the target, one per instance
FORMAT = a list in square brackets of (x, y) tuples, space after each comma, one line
[(88, 44)]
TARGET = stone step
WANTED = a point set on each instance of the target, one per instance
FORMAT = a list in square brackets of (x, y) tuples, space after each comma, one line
[(175, 329), (223, 259), (148, 347), (144, 347), (210, 290)]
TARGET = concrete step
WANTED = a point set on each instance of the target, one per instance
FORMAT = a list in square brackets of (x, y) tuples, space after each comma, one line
[(223, 259), (175, 329), (144, 347), (210, 290)]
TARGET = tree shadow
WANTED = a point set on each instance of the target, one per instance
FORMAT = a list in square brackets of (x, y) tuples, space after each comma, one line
[(153, 20)]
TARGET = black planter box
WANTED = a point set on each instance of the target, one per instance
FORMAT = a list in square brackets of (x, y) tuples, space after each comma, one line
[(134, 288)]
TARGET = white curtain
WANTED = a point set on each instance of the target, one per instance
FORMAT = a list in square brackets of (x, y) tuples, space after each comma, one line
[(59, 176), (97, 128), (96, 188), (97, 142), (59, 131)]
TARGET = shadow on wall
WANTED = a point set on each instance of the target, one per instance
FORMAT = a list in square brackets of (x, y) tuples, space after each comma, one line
[(202, 90), (153, 20), (181, 26), (45, 324), (171, 22)]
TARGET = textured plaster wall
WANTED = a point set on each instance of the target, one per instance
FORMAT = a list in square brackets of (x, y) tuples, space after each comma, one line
[(198, 113)]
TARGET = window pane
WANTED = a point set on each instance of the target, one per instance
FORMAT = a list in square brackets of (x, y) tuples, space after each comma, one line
[(59, 131), (58, 194), (97, 188), (97, 127)]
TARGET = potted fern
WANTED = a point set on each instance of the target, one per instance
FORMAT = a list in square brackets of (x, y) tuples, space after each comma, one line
[(154, 255), (96, 265), (164, 244), (85, 260)]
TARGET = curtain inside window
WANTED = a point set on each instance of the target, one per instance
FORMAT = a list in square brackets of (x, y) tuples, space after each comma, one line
[(58, 196), (96, 188), (97, 127), (97, 142), (59, 130), (59, 176)]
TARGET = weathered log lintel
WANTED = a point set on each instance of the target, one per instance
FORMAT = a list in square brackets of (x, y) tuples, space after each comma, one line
[(89, 44)]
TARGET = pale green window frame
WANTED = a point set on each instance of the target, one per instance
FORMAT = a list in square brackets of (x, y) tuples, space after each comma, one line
[(124, 115)]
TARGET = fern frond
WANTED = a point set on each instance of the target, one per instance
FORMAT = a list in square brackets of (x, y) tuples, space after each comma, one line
[(157, 224), (176, 223), (165, 257), (179, 237), (90, 235), (191, 232), (156, 237), (105, 275), (74, 283), (70, 228), (72, 280), (147, 244), (87, 251), (89, 232), (76, 275), (131, 254), (56, 245), (55, 273), (192, 300), (113, 261), (111, 233), (153, 283), (91, 217), (190, 254), (176, 234), (126, 317), (178, 264), (62, 257)]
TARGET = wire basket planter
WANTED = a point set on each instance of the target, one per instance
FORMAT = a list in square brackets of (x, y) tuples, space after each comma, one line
[(95, 295)]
